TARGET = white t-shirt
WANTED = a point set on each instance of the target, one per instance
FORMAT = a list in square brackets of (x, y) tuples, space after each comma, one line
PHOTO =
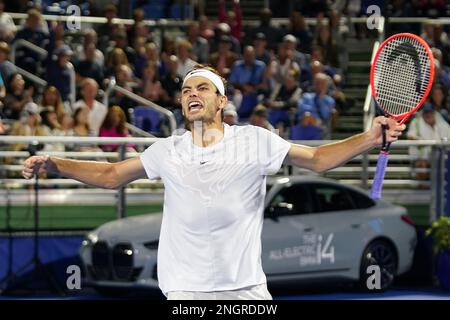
[(213, 207)]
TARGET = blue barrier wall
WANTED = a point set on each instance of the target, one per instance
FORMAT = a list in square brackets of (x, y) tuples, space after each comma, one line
[(56, 252)]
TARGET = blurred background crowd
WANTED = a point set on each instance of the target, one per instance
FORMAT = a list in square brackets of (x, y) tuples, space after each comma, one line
[(289, 77)]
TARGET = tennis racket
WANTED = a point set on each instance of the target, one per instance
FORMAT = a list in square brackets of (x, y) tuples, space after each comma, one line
[(401, 77)]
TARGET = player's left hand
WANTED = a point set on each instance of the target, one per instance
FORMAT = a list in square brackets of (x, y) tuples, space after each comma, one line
[(393, 130)]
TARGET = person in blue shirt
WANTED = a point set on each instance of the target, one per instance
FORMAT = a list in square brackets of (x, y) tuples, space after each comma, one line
[(319, 103), (247, 76), (58, 71)]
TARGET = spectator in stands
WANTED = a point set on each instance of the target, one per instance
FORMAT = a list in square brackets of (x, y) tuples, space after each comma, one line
[(307, 128), (81, 128), (89, 38), (185, 63), (435, 35), (114, 126), (427, 125), (442, 71), (7, 27), (7, 69), (438, 99), (171, 83), (232, 18), (290, 42), (26, 58), (319, 103), (52, 98), (28, 125), (52, 127), (334, 88), (139, 30), (121, 42), (139, 46), (81, 123), (329, 46), (151, 86), (259, 118), (283, 63), (59, 72), (223, 29), (200, 46), (150, 54), (260, 45), (441, 75), (89, 67), (57, 34), (115, 59), (339, 33), (168, 48), (273, 34), (16, 97), (246, 79), (97, 110), (43, 24), (315, 67), (106, 30), (282, 103), (125, 79), (224, 58), (297, 27), (138, 17), (205, 28)]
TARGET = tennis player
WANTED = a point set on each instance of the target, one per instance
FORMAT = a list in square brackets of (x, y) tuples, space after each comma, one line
[(215, 182)]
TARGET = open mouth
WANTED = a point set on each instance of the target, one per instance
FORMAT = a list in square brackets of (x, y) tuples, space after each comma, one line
[(195, 106)]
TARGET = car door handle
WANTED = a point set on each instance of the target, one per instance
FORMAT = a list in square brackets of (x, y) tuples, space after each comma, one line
[(356, 225), (308, 229)]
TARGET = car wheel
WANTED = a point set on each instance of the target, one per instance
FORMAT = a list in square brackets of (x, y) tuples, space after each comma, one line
[(382, 254)]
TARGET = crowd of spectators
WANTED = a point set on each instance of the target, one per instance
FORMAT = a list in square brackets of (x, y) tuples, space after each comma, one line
[(287, 78)]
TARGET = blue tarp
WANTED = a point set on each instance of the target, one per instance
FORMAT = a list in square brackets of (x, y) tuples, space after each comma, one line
[(56, 252)]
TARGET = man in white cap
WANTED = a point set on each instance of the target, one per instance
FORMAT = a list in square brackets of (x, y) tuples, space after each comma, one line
[(215, 182)]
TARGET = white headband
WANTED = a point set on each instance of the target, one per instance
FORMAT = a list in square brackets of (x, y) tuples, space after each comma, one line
[(211, 76)]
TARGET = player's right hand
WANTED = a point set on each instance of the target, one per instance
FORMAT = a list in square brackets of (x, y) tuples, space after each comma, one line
[(32, 165)]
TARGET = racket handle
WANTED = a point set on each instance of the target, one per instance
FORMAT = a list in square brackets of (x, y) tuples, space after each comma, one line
[(377, 185)]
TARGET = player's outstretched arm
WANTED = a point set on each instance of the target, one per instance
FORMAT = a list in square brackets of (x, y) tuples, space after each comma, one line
[(99, 174), (332, 155)]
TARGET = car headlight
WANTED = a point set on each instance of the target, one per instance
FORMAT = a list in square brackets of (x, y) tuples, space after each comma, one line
[(152, 245), (89, 240)]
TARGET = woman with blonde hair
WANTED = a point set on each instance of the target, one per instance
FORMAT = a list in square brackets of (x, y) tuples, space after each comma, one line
[(116, 58), (52, 98)]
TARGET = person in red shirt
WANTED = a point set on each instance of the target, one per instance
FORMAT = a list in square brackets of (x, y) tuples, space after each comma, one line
[(232, 18)]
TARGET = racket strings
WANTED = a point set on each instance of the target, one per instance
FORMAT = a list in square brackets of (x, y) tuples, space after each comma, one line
[(402, 75)]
